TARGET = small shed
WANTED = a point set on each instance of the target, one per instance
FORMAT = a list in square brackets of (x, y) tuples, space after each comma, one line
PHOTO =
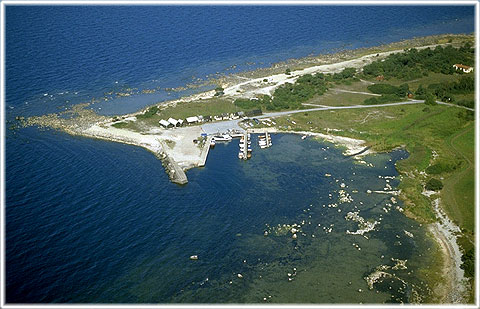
[(191, 120), (174, 122), (165, 123)]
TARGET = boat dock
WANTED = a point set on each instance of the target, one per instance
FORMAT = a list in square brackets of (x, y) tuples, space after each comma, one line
[(244, 152), (245, 149), (265, 141), (205, 150)]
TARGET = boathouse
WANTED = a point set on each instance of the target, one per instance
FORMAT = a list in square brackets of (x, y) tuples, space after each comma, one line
[(165, 123), (174, 122), (193, 119)]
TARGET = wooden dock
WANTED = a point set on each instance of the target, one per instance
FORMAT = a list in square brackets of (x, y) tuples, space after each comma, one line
[(268, 138)]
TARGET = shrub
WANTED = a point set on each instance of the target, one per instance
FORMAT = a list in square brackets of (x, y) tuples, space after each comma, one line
[(219, 91), (441, 167), (467, 103), (434, 185), (382, 89), (149, 112), (430, 99)]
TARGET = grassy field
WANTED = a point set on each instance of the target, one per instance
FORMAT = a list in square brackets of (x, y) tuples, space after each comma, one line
[(458, 193)]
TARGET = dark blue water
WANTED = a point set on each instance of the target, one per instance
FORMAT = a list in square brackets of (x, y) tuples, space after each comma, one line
[(59, 54), (91, 221)]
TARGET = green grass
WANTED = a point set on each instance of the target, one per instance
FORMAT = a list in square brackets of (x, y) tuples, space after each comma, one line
[(333, 98), (459, 191), (121, 125), (432, 78), (209, 107)]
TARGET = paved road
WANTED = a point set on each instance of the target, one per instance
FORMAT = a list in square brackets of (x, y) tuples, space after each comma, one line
[(223, 126)]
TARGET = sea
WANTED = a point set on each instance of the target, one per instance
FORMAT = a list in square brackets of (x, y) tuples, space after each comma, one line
[(90, 221)]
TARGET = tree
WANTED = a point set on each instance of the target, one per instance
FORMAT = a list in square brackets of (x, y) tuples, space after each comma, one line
[(434, 185), (219, 91), (420, 93), (430, 99)]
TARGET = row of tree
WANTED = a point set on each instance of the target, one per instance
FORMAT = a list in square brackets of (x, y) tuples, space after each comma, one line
[(415, 63)]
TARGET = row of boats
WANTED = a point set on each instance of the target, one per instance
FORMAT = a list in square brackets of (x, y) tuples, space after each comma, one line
[(226, 137), (264, 141), (245, 145)]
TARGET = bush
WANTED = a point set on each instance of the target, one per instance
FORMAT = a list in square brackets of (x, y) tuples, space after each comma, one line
[(219, 91), (434, 185), (385, 98), (430, 99), (149, 112), (288, 71), (467, 103), (382, 89), (247, 104), (441, 167)]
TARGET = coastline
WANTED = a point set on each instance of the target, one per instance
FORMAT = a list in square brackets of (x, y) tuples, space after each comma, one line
[(176, 150), (444, 232), (353, 147)]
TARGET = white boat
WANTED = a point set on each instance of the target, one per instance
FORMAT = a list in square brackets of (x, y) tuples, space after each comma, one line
[(222, 138), (304, 137), (212, 143), (235, 134)]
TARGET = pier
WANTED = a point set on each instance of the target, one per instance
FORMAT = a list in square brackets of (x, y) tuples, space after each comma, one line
[(205, 150), (245, 149), (268, 139)]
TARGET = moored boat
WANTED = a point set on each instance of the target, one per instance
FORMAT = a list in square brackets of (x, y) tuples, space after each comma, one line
[(222, 138)]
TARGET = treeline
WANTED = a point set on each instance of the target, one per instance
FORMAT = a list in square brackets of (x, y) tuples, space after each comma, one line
[(415, 63), (389, 93), (446, 91)]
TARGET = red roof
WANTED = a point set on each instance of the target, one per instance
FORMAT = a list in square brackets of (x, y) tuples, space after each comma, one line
[(461, 66)]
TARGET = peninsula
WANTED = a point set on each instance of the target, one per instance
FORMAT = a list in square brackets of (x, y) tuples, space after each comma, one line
[(409, 94)]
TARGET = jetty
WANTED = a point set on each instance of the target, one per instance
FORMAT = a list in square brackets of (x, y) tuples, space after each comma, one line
[(205, 150)]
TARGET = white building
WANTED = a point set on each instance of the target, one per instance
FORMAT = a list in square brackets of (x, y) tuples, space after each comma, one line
[(464, 68), (174, 122), (191, 120), (165, 123)]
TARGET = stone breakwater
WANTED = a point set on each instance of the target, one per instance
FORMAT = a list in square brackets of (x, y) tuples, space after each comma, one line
[(80, 121)]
